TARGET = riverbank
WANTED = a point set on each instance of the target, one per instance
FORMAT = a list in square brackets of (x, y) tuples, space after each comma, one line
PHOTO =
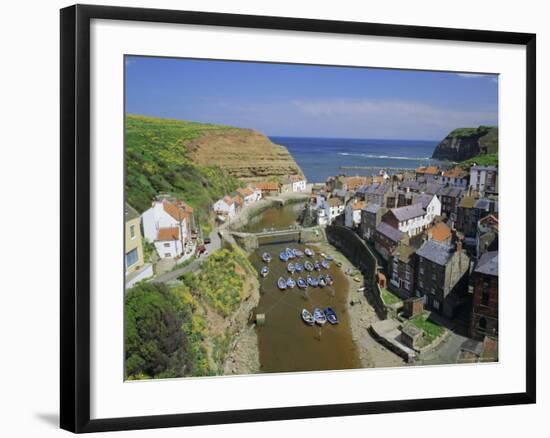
[(361, 316), (258, 207)]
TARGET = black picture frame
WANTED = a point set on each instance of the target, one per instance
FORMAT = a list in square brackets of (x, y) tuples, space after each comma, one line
[(75, 217)]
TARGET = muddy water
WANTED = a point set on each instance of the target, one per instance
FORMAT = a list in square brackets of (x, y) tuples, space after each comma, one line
[(274, 218), (286, 343)]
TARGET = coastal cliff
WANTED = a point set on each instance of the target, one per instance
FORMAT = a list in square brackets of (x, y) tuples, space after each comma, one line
[(244, 153), (466, 143), (197, 161)]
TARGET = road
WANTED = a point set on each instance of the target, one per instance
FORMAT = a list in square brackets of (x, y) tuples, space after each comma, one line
[(215, 244), (445, 353)]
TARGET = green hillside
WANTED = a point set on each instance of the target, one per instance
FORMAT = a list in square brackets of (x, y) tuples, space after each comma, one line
[(157, 160)]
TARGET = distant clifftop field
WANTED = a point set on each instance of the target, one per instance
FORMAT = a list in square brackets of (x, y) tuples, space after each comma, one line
[(469, 144), (199, 162)]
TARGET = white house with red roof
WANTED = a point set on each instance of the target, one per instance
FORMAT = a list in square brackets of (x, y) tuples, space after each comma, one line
[(167, 224), (225, 208)]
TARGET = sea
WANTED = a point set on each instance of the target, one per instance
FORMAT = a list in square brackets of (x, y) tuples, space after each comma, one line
[(320, 158)]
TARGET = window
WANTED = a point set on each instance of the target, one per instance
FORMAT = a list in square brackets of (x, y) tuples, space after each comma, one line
[(485, 292), (131, 258), (421, 269), (167, 245), (482, 323), (132, 231)]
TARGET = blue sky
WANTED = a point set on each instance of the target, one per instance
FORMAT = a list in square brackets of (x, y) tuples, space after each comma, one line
[(311, 101)]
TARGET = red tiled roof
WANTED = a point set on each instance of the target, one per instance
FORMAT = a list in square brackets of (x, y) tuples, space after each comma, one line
[(440, 232), (268, 186), (176, 212), (430, 170), (172, 233)]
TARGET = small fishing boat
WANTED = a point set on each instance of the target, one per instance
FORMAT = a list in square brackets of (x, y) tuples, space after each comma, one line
[(307, 317), (290, 267), (290, 253), (319, 317), (329, 280), (283, 256), (298, 267), (308, 252), (264, 271), (314, 282), (317, 265), (325, 264), (331, 315), (266, 257), (281, 283), (298, 253), (322, 254), (357, 279), (290, 283), (322, 281), (308, 266), (329, 258), (309, 280), (302, 284)]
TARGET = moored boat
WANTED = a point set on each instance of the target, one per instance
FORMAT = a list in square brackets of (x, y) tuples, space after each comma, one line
[(329, 257), (266, 257), (290, 267), (283, 256), (308, 266), (325, 264), (290, 283), (289, 253), (281, 283), (322, 281), (298, 253), (307, 317), (331, 315), (317, 265), (319, 317), (264, 271), (308, 252), (302, 284), (298, 267), (329, 280)]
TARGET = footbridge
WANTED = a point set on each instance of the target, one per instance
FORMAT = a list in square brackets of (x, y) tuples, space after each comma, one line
[(251, 241)]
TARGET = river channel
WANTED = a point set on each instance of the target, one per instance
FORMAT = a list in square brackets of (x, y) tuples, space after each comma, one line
[(286, 343)]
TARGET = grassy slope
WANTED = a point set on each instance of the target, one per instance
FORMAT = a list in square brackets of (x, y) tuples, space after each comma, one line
[(489, 140), (157, 160)]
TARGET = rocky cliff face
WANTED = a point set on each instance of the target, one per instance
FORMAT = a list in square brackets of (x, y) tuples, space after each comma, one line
[(464, 143), (244, 153)]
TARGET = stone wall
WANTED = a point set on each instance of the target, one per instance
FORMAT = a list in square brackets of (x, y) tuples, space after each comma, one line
[(355, 249)]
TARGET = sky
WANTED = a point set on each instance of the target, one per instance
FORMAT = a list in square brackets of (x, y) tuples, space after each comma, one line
[(311, 101)]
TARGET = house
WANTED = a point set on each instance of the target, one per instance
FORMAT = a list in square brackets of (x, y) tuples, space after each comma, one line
[(412, 219), (402, 271), (387, 239), (375, 193), (249, 195), (299, 183), (353, 213), (414, 186), (450, 198), (442, 276), (268, 188), (352, 183), (159, 222), (456, 177), (135, 268), (466, 218), (484, 321), (427, 173), (168, 242), (371, 216), (343, 194), (484, 179), (335, 182), (430, 203), (440, 233), (487, 235), (225, 208), (334, 207)]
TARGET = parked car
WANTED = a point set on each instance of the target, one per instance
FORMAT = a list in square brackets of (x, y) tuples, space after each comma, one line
[(207, 241)]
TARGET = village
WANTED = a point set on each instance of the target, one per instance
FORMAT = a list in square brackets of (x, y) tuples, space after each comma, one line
[(432, 231)]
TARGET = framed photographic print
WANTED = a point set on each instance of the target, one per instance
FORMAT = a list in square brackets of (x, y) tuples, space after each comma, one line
[(271, 218)]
